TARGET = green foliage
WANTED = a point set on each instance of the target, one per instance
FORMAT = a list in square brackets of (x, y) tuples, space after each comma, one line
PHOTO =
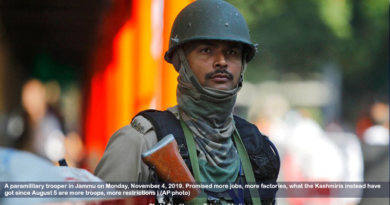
[(337, 15), (292, 36), (304, 35)]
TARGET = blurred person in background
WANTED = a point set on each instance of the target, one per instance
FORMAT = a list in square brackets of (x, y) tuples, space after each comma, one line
[(308, 153), (43, 133), (375, 147), (41, 144), (378, 132), (376, 116)]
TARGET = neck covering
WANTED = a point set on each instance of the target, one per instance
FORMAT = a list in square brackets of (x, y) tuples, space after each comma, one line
[(208, 114)]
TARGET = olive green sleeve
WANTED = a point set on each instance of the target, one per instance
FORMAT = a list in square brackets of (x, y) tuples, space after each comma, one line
[(122, 158)]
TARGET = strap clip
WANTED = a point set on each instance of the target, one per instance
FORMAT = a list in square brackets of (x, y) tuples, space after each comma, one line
[(183, 151)]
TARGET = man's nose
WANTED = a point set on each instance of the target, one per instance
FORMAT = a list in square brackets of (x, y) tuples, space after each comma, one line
[(220, 60)]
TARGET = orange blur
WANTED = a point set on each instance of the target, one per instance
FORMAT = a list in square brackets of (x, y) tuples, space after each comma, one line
[(128, 71)]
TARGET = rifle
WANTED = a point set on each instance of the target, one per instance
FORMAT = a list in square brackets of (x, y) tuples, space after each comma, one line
[(170, 166)]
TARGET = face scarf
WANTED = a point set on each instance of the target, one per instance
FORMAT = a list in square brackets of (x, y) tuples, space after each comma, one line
[(208, 114)]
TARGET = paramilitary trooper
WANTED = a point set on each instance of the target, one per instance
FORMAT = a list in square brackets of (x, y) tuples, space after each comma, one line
[(209, 47)]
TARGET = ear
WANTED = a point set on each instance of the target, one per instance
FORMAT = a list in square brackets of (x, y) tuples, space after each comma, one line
[(243, 67), (176, 61)]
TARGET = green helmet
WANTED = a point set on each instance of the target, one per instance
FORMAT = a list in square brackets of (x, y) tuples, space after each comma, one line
[(210, 20)]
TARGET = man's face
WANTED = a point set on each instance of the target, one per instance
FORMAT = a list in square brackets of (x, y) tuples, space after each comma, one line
[(216, 64)]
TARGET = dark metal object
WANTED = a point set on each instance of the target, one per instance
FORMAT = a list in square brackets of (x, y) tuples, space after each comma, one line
[(62, 162)]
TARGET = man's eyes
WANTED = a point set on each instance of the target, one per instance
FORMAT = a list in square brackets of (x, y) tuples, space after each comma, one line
[(205, 50), (232, 52)]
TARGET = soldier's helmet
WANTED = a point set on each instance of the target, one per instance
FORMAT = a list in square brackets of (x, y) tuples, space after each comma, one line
[(210, 20)]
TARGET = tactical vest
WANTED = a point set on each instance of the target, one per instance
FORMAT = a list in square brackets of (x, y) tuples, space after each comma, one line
[(262, 152)]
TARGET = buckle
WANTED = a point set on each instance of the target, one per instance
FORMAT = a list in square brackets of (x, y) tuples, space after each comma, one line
[(183, 151)]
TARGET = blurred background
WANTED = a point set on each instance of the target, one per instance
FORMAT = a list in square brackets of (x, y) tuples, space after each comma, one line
[(74, 72)]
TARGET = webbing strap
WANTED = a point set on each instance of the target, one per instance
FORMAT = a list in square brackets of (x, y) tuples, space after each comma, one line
[(246, 165), (192, 151)]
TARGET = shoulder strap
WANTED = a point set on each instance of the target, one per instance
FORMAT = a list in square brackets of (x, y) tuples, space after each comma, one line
[(263, 156), (255, 142), (165, 123)]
